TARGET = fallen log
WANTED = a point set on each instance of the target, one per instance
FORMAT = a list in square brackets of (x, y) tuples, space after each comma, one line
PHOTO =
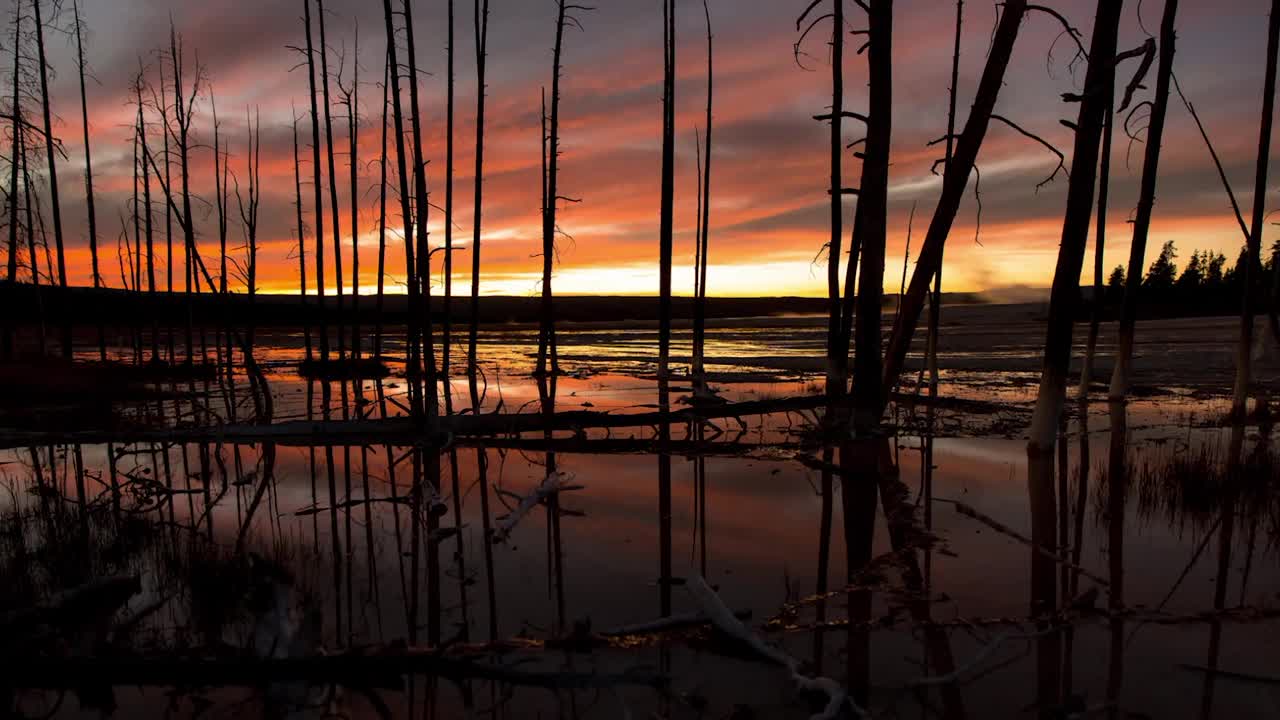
[(351, 669), (446, 429)]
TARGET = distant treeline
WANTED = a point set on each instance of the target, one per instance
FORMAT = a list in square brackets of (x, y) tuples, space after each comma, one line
[(1203, 286), (90, 306)]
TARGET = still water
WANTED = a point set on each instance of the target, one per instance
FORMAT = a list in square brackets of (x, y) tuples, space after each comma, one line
[(439, 582)]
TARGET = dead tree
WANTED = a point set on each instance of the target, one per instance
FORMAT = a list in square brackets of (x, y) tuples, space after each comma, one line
[(1099, 242), (1244, 349), (870, 224), (139, 162), (88, 176), (955, 180), (935, 298), (333, 179), (666, 226), (220, 171), (351, 99), (413, 366), (146, 209), (14, 160), (837, 360), (382, 213), (249, 218), (1075, 235), (551, 193), (54, 204), (180, 134), (1123, 371), (316, 187), (168, 211), (447, 320), (421, 206), (302, 237), (482, 43), (704, 222)]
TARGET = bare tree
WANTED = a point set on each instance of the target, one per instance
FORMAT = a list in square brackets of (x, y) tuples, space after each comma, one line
[(1244, 349), (168, 210), (447, 321), (302, 237), (88, 176), (14, 160), (704, 222), (316, 187), (421, 206), (146, 210), (413, 365), (351, 99), (551, 193), (1099, 242), (935, 298), (1075, 232), (482, 44), (333, 179), (249, 218), (955, 180), (54, 204), (382, 212), (220, 170), (837, 359), (870, 224), (666, 216), (1123, 370)]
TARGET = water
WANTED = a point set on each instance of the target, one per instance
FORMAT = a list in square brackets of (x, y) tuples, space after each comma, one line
[(286, 550)]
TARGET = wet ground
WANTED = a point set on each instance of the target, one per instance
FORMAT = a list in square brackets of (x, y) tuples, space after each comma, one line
[(1147, 586)]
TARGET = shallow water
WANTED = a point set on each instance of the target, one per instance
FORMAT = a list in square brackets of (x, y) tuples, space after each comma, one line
[(960, 617)]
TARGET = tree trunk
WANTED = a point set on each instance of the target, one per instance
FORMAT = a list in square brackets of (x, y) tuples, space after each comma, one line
[(446, 339), (1122, 373), (704, 223), (955, 179), (1099, 243), (316, 188), (837, 355), (382, 212), (1244, 350), (353, 120), (54, 205), (88, 182), (870, 223), (666, 216), (1065, 295), (482, 42), (14, 159), (146, 209), (424, 273), (412, 363), (333, 181), (168, 214), (302, 237), (935, 298), (551, 158), (424, 250)]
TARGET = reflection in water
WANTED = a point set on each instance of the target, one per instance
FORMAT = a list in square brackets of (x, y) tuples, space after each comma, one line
[(444, 574)]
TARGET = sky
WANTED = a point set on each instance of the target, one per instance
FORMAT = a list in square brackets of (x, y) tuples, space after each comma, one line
[(769, 208)]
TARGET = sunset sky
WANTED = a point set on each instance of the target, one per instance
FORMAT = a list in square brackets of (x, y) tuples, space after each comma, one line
[(769, 200)]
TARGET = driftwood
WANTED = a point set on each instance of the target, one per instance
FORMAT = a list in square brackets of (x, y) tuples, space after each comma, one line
[(406, 430), (367, 669), (554, 484), (723, 619)]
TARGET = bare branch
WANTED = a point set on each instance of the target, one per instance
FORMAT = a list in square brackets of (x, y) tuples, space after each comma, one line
[(1025, 133)]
